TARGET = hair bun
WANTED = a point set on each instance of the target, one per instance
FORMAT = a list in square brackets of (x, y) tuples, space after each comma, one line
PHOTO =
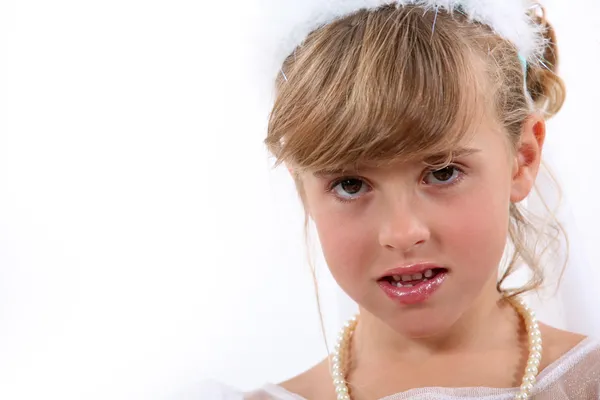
[(546, 88)]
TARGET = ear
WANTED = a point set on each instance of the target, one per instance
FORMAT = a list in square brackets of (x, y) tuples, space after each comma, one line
[(528, 156)]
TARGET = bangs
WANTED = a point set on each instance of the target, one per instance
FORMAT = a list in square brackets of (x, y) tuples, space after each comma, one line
[(375, 88)]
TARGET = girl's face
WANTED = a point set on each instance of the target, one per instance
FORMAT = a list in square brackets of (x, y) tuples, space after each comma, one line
[(453, 221)]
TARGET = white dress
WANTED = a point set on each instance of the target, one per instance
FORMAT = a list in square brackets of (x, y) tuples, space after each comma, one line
[(576, 375)]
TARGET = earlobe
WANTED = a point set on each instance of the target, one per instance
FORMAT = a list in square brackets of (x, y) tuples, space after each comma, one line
[(528, 156)]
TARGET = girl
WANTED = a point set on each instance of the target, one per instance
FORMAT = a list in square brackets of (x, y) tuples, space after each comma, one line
[(413, 129)]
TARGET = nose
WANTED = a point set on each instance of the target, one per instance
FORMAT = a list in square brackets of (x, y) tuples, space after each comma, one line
[(402, 228)]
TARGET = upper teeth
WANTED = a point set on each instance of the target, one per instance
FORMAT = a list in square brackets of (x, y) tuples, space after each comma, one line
[(413, 277)]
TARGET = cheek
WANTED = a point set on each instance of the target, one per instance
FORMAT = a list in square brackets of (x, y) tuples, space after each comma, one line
[(348, 241), (475, 234)]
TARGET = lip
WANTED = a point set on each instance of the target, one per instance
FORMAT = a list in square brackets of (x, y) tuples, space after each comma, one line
[(417, 294), (411, 269)]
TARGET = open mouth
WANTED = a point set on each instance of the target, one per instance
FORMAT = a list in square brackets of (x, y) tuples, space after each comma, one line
[(410, 280)]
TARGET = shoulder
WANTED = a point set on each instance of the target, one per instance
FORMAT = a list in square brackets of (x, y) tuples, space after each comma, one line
[(314, 383), (558, 342), (572, 365)]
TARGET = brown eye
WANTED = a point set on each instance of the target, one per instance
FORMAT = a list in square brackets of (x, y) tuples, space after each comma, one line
[(349, 188), (442, 176)]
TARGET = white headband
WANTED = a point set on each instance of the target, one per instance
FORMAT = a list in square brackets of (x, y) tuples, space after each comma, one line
[(510, 19)]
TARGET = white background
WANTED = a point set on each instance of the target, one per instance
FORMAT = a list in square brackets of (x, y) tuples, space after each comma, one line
[(145, 244)]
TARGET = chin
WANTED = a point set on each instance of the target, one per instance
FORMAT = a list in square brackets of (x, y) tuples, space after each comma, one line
[(420, 328), (418, 321)]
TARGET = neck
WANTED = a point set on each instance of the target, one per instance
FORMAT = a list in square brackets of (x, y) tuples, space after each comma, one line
[(490, 324), (470, 351)]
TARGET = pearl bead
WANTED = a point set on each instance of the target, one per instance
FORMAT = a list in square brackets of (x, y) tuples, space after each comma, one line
[(341, 389), (526, 387), (535, 333), (535, 340), (529, 379), (531, 370), (533, 362)]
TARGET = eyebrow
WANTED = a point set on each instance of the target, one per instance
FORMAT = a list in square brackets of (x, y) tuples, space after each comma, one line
[(430, 158), (456, 153), (336, 171)]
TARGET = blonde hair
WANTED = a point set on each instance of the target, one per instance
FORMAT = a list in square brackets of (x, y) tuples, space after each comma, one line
[(398, 82)]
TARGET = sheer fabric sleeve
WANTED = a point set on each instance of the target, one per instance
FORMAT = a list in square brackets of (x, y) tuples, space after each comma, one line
[(210, 390), (576, 377)]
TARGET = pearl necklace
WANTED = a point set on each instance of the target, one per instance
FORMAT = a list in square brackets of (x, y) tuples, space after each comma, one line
[(342, 349)]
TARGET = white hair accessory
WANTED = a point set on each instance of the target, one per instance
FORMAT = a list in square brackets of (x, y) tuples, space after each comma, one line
[(509, 19)]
